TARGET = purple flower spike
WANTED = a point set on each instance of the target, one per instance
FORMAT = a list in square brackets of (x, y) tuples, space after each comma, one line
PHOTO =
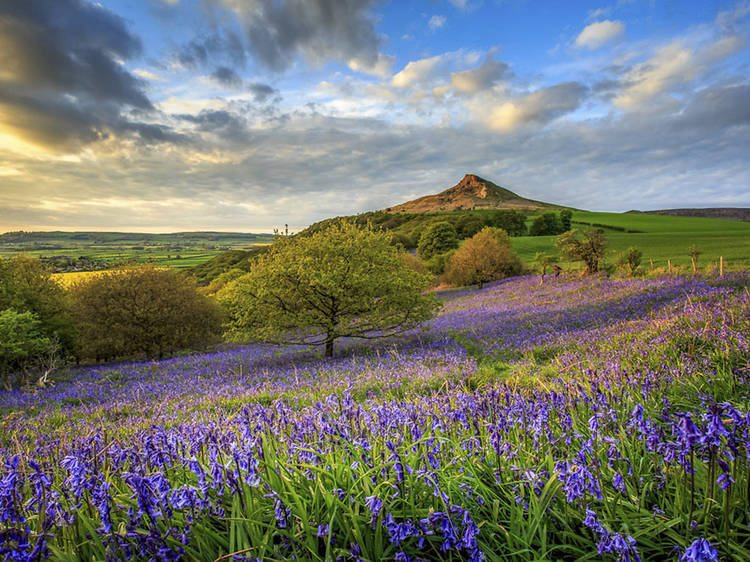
[(700, 551)]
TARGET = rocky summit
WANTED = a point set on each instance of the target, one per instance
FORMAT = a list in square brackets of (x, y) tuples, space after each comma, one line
[(472, 192)]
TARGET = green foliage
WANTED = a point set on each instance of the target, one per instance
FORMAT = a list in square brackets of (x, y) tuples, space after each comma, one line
[(141, 312), (547, 224), (437, 239), (21, 342), (340, 281), (512, 222), (589, 249), (437, 263), (27, 286), (566, 216), (545, 261), (468, 225), (207, 272), (630, 259), (484, 257)]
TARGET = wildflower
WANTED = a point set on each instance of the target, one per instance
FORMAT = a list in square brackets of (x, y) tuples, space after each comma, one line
[(700, 551)]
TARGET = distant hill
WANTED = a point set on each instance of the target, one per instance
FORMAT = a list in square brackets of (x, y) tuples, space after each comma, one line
[(471, 193), (730, 213)]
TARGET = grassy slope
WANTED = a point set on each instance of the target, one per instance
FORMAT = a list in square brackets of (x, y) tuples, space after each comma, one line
[(661, 238)]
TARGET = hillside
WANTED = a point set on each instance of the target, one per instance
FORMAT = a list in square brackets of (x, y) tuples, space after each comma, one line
[(472, 192), (730, 213)]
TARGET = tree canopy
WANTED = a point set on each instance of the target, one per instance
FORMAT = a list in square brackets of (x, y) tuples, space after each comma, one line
[(343, 280), (141, 312), (438, 238), (484, 257)]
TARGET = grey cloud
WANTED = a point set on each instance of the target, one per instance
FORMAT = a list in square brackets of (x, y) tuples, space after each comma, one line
[(696, 157), (61, 85), (263, 92), (227, 77), (319, 30), (481, 78), (220, 45)]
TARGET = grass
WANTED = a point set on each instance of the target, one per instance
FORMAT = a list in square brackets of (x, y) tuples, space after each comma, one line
[(660, 238)]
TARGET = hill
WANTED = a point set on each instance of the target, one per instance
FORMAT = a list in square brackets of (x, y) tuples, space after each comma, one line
[(471, 193), (730, 213)]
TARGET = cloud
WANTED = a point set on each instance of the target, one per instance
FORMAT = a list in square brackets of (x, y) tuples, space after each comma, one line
[(460, 4), (226, 76), (61, 82), (599, 33), (276, 32), (417, 71), (541, 106), (381, 67), (147, 75), (220, 45), (436, 22), (480, 78)]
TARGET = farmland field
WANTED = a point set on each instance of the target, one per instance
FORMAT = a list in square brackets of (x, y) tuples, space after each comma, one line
[(85, 251), (660, 238), (581, 419)]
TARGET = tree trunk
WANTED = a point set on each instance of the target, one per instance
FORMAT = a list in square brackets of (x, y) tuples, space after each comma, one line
[(329, 346)]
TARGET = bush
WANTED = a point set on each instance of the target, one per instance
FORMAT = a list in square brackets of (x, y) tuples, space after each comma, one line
[(437, 263), (468, 225), (141, 312), (22, 343), (547, 224), (512, 222), (589, 249), (630, 259), (27, 286), (340, 281), (437, 238), (487, 256)]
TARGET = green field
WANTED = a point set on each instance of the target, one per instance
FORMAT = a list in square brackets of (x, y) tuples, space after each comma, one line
[(660, 238), (83, 251)]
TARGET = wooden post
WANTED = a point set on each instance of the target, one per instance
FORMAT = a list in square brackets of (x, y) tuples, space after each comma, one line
[(669, 266), (721, 266), (652, 263)]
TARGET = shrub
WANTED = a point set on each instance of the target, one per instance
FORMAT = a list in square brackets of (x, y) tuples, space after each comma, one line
[(437, 238), (589, 249), (484, 257), (630, 259), (27, 286), (547, 224), (22, 343), (141, 312)]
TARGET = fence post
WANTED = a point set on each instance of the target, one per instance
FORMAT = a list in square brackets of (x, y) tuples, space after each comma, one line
[(721, 266)]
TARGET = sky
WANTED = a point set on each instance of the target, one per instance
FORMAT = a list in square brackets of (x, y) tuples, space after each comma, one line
[(245, 115)]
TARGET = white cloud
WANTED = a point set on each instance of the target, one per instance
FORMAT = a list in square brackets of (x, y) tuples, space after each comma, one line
[(147, 75), (417, 71), (436, 22), (541, 106), (381, 67), (460, 4), (599, 33)]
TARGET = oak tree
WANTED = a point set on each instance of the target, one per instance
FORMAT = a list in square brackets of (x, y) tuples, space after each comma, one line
[(341, 281)]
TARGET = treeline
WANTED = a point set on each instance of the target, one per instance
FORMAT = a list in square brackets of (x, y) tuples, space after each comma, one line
[(131, 312)]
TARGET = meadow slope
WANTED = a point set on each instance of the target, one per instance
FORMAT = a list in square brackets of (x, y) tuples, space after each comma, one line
[(583, 419)]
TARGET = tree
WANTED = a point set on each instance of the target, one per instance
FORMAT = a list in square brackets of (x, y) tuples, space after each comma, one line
[(547, 224), (437, 238), (631, 259), (694, 254), (22, 343), (545, 261), (468, 225), (486, 256), (566, 216), (512, 222), (27, 286), (341, 281), (141, 312), (589, 249)]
